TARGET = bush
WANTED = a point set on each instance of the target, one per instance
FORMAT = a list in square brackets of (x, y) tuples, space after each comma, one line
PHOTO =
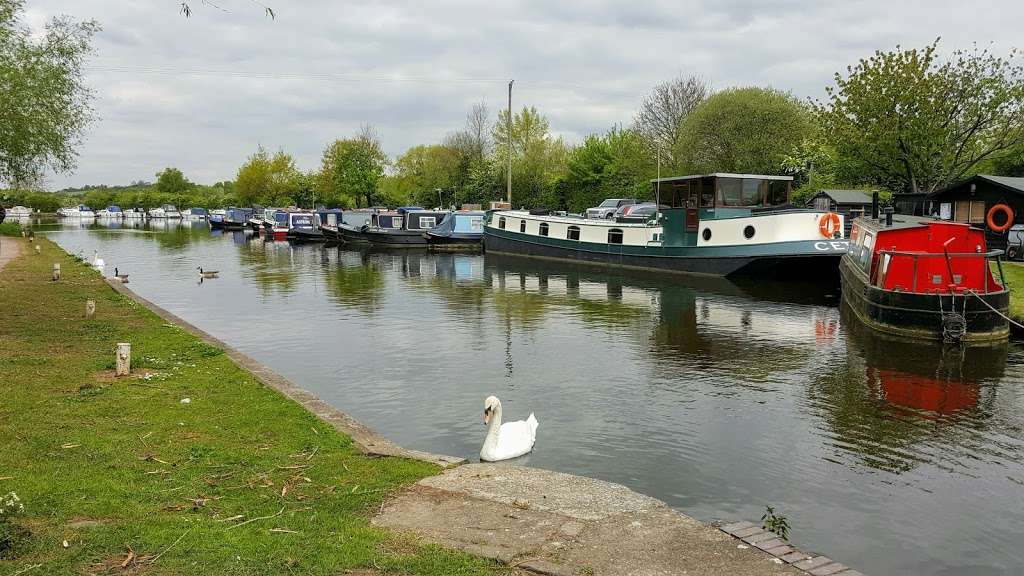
[(10, 229)]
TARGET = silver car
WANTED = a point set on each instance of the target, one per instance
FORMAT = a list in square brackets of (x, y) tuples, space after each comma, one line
[(607, 208)]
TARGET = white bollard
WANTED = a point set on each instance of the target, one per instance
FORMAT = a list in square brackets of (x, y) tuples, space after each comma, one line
[(90, 308), (124, 359), (56, 272), (39, 249)]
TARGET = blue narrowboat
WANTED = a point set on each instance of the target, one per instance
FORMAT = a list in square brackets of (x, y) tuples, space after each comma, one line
[(462, 229)]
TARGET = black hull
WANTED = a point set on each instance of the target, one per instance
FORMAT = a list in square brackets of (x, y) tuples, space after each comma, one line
[(801, 267), (918, 316), (396, 238), (351, 235), (454, 242), (305, 235), (232, 225), (217, 224)]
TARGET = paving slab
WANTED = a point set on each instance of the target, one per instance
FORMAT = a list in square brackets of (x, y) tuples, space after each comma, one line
[(554, 523)]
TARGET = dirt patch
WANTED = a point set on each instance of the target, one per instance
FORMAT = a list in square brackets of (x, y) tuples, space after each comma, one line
[(108, 376), (127, 562), (85, 523)]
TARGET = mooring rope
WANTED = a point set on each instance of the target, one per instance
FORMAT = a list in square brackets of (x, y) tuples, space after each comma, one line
[(990, 307)]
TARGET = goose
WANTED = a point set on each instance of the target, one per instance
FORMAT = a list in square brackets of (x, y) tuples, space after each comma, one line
[(207, 273), (508, 440), (122, 277), (97, 262)]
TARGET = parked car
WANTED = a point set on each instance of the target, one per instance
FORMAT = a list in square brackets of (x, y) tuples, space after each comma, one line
[(639, 213), (607, 208), (1015, 243)]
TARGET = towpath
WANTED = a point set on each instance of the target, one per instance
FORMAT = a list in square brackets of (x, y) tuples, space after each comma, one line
[(10, 248)]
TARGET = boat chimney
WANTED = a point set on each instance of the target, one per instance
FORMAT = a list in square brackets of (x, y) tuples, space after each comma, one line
[(874, 205), (888, 216)]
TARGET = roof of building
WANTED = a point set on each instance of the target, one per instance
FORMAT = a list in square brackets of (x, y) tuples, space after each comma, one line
[(847, 196), (722, 175), (1012, 183)]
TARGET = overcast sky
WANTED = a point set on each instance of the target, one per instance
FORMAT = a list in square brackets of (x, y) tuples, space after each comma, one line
[(201, 93)]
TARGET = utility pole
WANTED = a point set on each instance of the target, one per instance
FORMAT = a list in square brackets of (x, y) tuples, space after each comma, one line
[(508, 188)]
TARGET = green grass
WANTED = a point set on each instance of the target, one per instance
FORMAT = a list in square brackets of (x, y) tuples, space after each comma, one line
[(120, 469), (9, 228), (1015, 279)]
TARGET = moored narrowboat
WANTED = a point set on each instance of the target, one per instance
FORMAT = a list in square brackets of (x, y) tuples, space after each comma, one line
[(718, 224), (414, 222), (459, 230), (925, 278), (327, 222), (302, 227)]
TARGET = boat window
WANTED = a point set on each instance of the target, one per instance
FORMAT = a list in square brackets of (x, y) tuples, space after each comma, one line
[(778, 192), (501, 222), (573, 233), (476, 223), (615, 236), (730, 192), (427, 221), (707, 192), (543, 228), (754, 192), (522, 225), (865, 256)]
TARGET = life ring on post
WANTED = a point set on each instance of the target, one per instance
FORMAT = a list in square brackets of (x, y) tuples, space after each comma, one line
[(990, 219), (829, 225)]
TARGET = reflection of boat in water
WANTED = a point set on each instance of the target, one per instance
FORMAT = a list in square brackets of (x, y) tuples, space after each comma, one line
[(926, 377), (924, 278), (458, 230)]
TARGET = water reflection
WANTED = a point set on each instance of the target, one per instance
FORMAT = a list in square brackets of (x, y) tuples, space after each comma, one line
[(715, 396)]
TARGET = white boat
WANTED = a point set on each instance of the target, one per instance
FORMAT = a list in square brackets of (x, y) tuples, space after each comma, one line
[(111, 212), (19, 212), (165, 211), (194, 214), (80, 211), (134, 213), (218, 212)]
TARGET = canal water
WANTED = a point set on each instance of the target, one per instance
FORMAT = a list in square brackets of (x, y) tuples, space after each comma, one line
[(719, 398)]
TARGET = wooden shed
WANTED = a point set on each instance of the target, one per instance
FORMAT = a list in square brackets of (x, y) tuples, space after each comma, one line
[(849, 203), (970, 200)]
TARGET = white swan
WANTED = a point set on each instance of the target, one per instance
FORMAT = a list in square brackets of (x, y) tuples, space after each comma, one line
[(508, 440), (97, 262)]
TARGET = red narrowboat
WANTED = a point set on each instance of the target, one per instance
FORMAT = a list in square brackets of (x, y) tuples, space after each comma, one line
[(925, 278)]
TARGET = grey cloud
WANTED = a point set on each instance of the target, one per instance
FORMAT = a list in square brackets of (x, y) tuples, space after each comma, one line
[(201, 93)]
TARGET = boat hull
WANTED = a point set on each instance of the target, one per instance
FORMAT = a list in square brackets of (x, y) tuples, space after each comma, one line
[(455, 241), (349, 234), (305, 235), (918, 316), (396, 238), (804, 260)]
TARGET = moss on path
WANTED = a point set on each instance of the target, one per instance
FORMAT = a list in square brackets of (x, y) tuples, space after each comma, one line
[(120, 476)]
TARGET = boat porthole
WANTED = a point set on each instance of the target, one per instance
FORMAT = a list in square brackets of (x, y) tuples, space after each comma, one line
[(748, 232), (706, 234)]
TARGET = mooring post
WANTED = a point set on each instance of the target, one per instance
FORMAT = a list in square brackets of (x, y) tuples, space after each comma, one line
[(39, 249), (124, 359), (56, 272), (90, 308)]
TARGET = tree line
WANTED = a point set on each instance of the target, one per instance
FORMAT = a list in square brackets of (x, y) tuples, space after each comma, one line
[(902, 120)]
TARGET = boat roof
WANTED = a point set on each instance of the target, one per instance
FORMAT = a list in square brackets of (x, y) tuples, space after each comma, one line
[(575, 220), (902, 222), (722, 175)]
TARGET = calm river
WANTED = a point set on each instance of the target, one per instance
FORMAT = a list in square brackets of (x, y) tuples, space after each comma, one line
[(716, 397)]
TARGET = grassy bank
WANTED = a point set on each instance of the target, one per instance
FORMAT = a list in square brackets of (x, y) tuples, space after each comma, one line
[(1015, 278), (121, 476), (9, 228)]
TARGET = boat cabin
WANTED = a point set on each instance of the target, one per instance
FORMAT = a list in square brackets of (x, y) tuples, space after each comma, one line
[(386, 220), (922, 256), (329, 217), (300, 220), (718, 196), (423, 219)]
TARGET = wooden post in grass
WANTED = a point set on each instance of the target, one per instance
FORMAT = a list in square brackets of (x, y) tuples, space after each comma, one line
[(124, 359), (90, 309), (56, 272), (39, 249)]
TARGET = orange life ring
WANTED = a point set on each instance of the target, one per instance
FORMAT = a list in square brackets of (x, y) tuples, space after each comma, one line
[(991, 220), (829, 225)]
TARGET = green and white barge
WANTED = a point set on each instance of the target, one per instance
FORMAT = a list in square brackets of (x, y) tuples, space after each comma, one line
[(716, 224)]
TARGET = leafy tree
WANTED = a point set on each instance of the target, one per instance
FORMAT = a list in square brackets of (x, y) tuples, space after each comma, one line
[(45, 105), (172, 181), (616, 164), (269, 180), (905, 120), (351, 169), (747, 130), (425, 169), (661, 115), (537, 157)]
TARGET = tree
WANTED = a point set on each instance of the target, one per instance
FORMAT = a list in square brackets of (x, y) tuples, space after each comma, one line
[(746, 130), (613, 165), (172, 181), (425, 169), (905, 120), (45, 105), (537, 158), (266, 179), (351, 169), (663, 110)]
